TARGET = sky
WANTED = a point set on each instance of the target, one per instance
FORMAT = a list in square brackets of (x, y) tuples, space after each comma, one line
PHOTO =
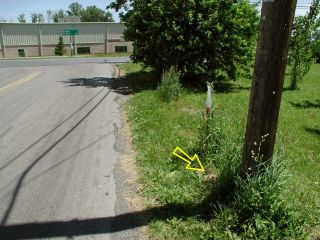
[(10, 9)]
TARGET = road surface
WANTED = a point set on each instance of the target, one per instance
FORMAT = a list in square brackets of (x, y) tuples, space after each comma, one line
[(59, 124), (29, 62)]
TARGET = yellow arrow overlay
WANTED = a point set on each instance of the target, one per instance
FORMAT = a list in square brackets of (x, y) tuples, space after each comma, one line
[(178, 152)]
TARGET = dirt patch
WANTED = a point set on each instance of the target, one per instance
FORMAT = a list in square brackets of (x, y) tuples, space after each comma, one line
[(129, 187), (190, 110), (129, 166)]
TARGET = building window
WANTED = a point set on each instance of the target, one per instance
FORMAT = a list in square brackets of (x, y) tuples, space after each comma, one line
[(121, 49), (21, 53), (83, 50)]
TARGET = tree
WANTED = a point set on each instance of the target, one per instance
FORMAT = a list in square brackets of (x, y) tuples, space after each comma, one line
[(58, 14), (212, 38), (2, 19), (316, 46), (118, 4), (95, 14), (22, 18), (37, 18), (59, 50), (34, 17), (49, 16), (40, 18), (74, 9), (300, 55)]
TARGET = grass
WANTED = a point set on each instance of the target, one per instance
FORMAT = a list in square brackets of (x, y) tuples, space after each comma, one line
[(159, 127)]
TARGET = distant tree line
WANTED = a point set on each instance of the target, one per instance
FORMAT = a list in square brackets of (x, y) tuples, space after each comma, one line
[(88, 14)]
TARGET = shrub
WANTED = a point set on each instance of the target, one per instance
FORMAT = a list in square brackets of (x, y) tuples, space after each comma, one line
[(212, 38), (59, 50), (170, 87)]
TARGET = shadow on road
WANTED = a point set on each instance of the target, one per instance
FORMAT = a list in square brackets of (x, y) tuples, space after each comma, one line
[(90, 226), (49, 132), (89, 82), (129, 84), (34, 162)]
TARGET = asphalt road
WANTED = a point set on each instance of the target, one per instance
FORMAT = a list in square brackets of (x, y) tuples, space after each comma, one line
[(11, 63), (59, 125)]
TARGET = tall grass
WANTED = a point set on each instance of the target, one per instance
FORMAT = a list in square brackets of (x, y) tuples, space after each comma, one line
[(220, 205), (259, 208), (253, 208), (170, 88)]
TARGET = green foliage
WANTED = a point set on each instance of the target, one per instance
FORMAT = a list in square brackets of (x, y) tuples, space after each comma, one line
[(95, 14), (254, 208), (21, 18), (217, 204), (60, 50), (75, 9), (210, 136), (259, 207), (212, 38), (88, 14), (170, 87), (300, 54), (316, 46), (58, 14), (37, 18)]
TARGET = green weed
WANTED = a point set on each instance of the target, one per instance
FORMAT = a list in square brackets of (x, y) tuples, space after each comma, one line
[(170, 87), (218, 204)]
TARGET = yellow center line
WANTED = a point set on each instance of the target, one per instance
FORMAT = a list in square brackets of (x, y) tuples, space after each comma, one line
[(25, 79)]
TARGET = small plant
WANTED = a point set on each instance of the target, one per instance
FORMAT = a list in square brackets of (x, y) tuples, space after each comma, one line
[(170, 87), (210, 136), (60, 50), (210, 133)]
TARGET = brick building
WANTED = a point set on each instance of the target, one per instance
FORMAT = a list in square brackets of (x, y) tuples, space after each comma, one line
[(40, 39)]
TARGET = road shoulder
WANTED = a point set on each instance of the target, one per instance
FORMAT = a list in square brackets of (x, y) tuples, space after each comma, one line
[(129, 199)]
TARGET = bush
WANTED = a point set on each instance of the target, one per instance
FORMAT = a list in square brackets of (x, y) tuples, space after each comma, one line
[(59, 50), (211, 37), (170, 87)]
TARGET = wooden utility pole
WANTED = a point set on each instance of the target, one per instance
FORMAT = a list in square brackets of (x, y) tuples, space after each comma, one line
[(266, 91)]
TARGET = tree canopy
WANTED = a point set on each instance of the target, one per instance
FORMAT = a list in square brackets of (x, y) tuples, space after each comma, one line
[(37, 18), (95, 14), (74, 9), (205, 37), (22, 18), (58, 14)]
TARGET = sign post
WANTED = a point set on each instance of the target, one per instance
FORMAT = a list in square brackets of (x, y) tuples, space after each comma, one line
[(70, 32)]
